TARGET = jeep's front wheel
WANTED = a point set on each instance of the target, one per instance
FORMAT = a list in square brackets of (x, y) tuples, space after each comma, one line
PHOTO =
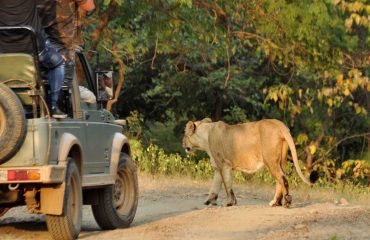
[(68, 225), (12, 123), (117, 204)]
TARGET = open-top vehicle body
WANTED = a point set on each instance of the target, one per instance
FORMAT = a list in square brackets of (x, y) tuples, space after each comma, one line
[(54, 166)]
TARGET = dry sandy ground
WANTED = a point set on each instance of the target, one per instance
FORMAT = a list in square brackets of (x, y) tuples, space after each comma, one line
[(171, 208)]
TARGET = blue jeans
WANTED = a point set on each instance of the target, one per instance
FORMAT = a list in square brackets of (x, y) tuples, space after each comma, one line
[(53, 61)]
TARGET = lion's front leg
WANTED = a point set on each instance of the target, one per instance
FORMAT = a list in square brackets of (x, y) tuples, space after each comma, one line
[(216, 186), (227, 177), (215, 189)]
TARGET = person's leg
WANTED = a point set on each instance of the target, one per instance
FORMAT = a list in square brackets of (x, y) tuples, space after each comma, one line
[(56, 76), (52, 60), (69, 72), (69, 67)]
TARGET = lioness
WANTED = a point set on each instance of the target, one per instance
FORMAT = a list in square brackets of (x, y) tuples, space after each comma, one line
[(246, 147)]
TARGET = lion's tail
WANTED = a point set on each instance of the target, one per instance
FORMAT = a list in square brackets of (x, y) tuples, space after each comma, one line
[(289, 139)]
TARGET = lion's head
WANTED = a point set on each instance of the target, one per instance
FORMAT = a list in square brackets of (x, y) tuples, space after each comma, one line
[(194, 137)]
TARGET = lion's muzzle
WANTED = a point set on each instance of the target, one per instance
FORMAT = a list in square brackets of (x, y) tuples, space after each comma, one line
[(188, 150)]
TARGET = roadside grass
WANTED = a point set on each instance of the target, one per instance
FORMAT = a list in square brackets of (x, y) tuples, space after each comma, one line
[(155, 161), (334, 237)]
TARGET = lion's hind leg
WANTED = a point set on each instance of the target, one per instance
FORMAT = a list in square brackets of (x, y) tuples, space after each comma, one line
[(284, 156), (282, 190), (277, 201), (277, 169)]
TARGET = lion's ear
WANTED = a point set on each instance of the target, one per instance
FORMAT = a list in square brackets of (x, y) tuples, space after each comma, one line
[(206, 120), (190, 127)]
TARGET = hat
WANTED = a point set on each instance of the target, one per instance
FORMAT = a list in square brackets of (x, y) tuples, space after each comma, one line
[(108, 74)]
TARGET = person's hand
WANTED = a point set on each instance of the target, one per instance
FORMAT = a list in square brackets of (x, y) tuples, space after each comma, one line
[(64, 57)]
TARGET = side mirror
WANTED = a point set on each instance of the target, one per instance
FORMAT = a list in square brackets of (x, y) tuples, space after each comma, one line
[(104, 83)]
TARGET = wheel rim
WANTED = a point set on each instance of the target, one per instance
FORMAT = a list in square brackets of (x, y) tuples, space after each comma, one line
[(2, 120), (74, 202), (123, 192)]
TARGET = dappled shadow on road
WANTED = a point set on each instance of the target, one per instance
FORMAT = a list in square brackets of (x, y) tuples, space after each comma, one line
[(155, 205), (17, 223), (23, 225)]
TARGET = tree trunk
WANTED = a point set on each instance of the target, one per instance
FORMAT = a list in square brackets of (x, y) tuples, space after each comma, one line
[(104, 19), (316, 143), (121, 66)]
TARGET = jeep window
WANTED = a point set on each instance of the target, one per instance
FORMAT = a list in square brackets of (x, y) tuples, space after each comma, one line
[(86, 93)]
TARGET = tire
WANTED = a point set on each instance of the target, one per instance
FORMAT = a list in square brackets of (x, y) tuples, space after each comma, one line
[(12, 123), (117, 204), (3, 211), (68, 225)]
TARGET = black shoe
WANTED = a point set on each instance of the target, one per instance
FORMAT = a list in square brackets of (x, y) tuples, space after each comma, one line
[(57, 113)]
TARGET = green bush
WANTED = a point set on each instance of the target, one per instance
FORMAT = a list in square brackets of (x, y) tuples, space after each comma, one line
[(154, 160), (162, 134)]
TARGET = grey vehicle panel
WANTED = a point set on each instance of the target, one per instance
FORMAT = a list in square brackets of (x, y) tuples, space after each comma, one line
[(33, 151)]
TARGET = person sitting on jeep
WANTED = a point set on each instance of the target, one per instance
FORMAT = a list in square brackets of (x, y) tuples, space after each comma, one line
[(24, 13), (106, 86), (62, 23)]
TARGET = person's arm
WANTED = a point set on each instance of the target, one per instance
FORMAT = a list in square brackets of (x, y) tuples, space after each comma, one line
[(109, 91), (87, 5)]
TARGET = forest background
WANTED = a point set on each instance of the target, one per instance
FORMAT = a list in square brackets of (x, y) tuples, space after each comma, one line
[(305, 62)]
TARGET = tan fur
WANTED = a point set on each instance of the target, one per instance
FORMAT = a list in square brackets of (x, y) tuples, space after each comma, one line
[(246, 147)]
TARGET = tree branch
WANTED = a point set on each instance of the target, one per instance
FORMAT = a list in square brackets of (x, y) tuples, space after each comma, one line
[(117, 92), (215, 8), (228, 51), (339, 142), (104, 19), (316, 143), (155, 54)]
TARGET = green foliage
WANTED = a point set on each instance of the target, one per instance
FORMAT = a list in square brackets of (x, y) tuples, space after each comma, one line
[(353, 172), (134, 123), (235, 115), (303, 62), (162, 135), (154, 160), (334, 237)]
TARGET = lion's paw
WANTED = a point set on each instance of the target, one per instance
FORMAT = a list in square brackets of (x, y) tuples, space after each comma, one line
[(212, 202), (212, 199), (288, 201), (229, 203), (275, 203)]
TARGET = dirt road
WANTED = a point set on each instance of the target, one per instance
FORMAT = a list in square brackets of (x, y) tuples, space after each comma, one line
[(173, 209)]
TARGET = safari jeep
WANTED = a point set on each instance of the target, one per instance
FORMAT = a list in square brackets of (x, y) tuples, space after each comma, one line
[(55, 166)]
